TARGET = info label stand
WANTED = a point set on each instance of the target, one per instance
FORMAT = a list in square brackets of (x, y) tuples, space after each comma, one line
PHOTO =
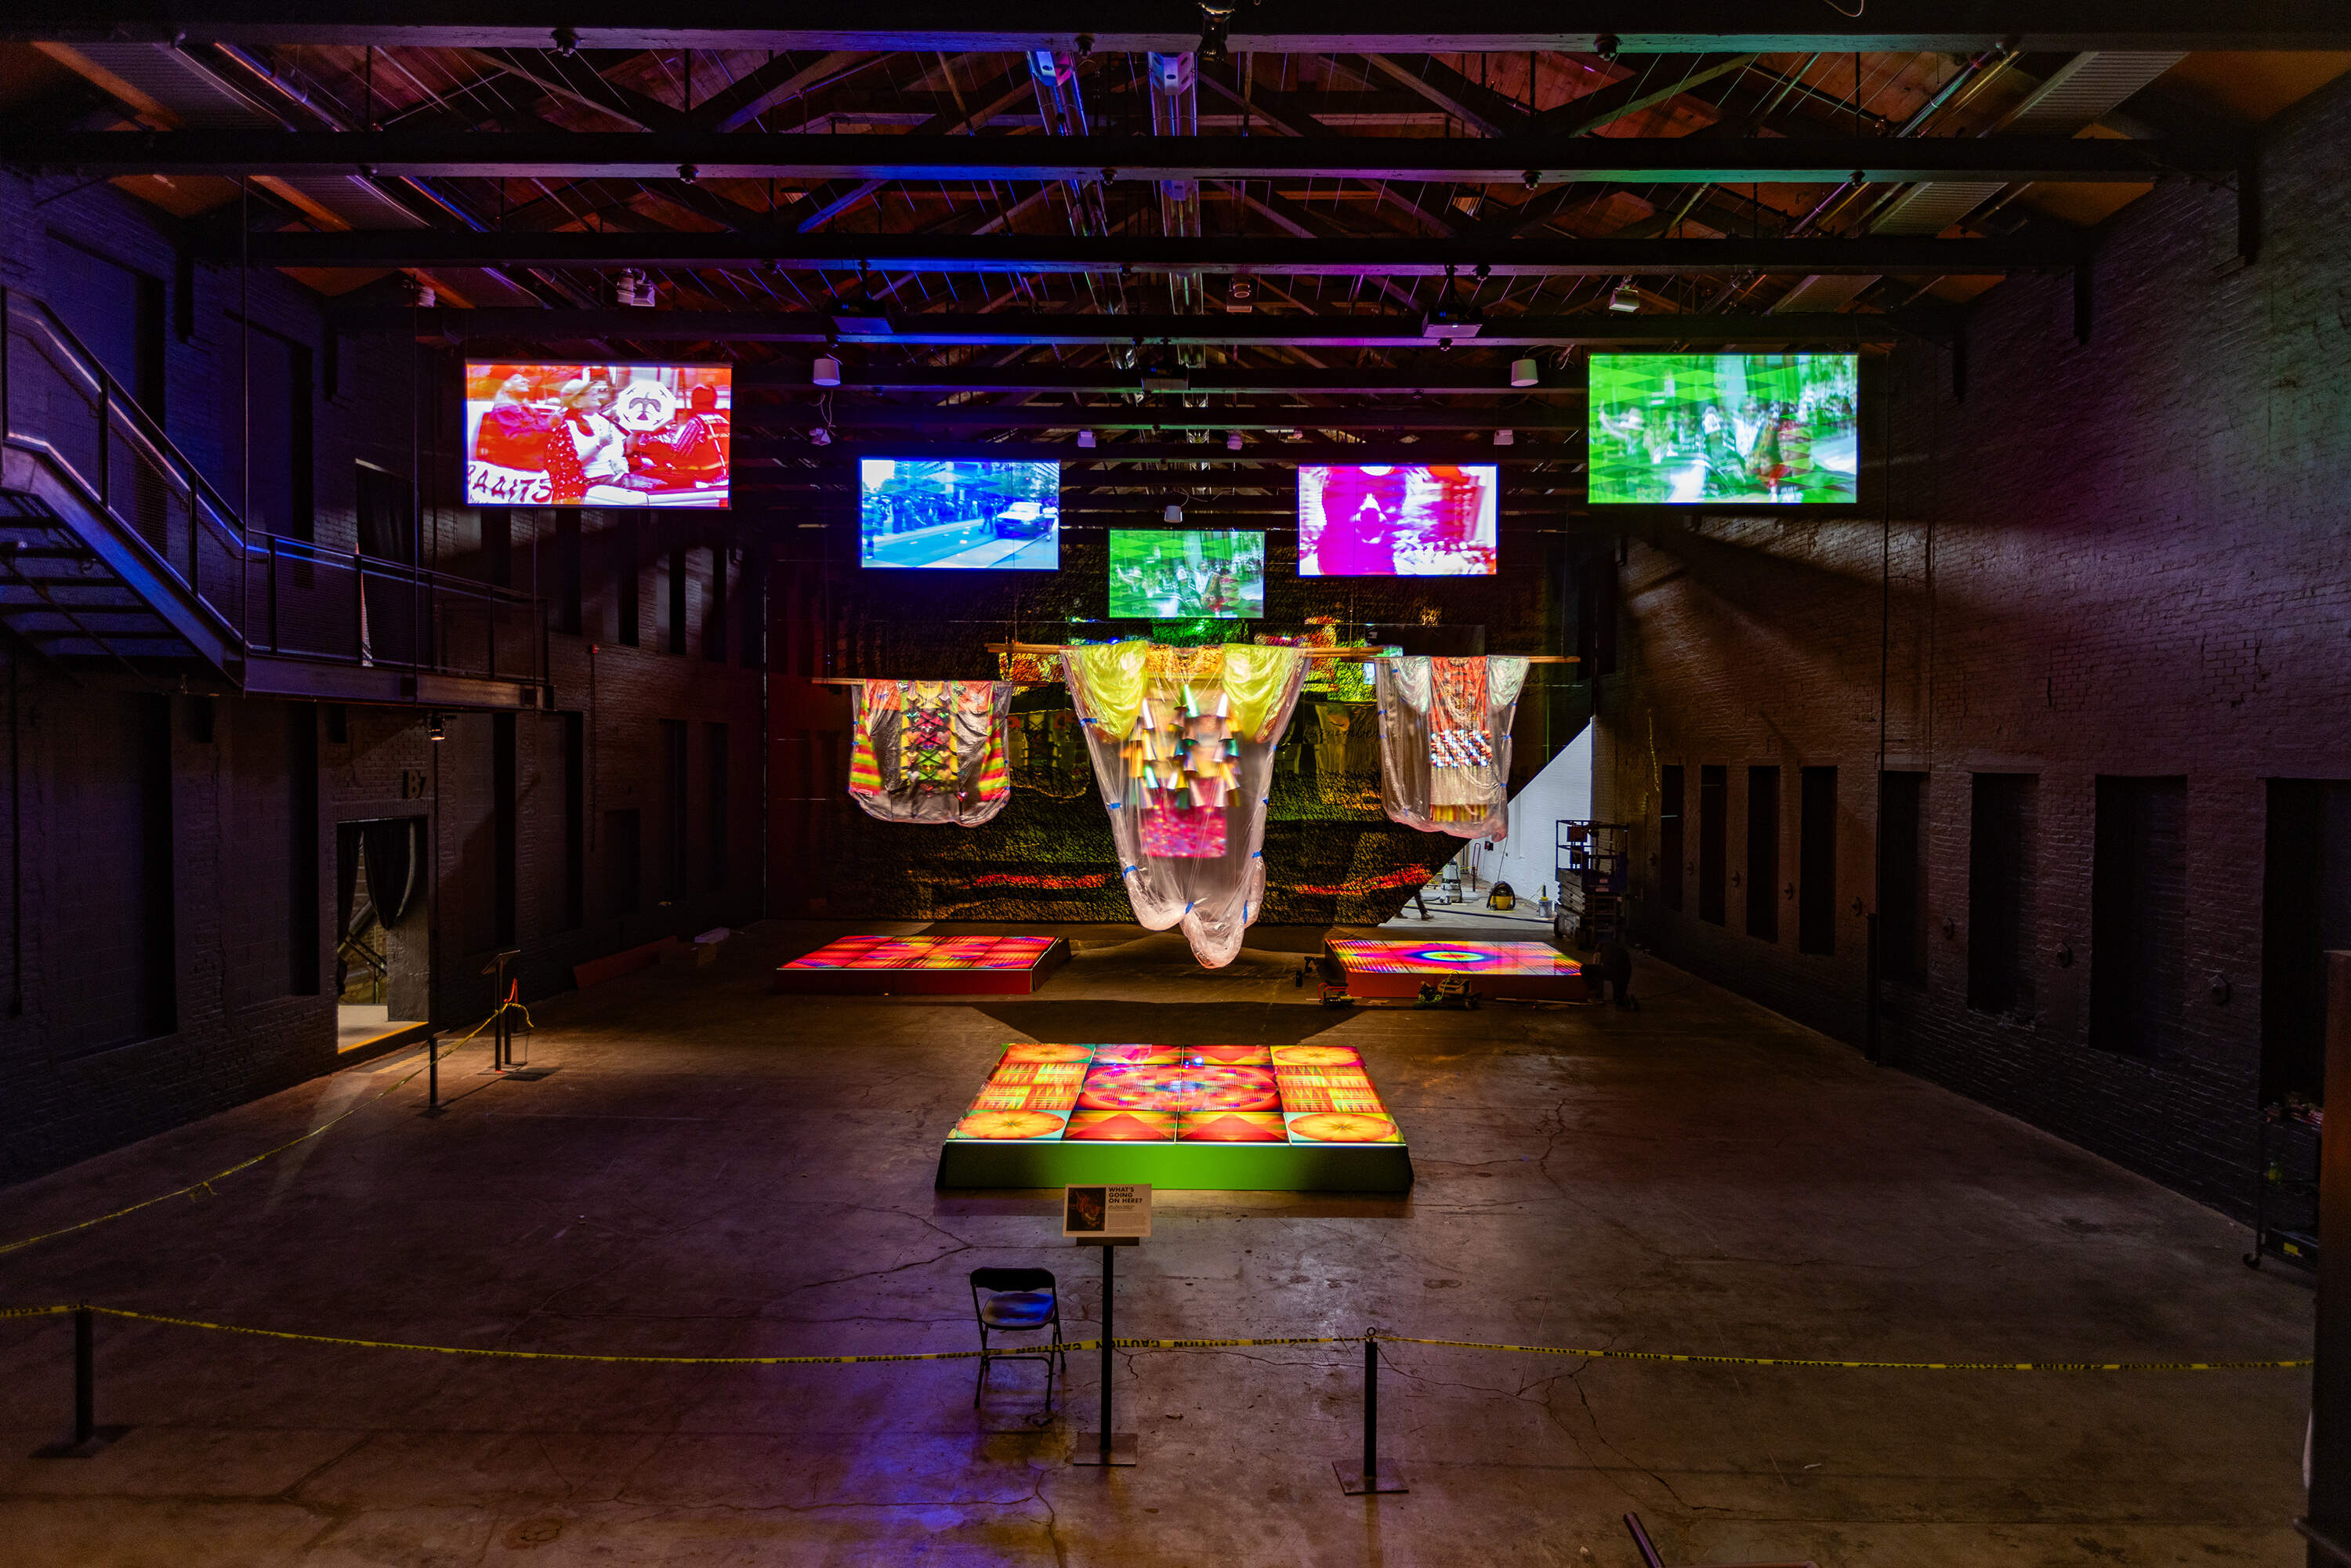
[(1109, 1218)]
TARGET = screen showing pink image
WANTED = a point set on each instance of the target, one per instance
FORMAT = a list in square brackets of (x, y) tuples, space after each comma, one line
[(578, 435), (1397, 520)]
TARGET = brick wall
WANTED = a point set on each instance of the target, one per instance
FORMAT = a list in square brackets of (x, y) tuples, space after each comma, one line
[(84, 1066), (2129, 557)]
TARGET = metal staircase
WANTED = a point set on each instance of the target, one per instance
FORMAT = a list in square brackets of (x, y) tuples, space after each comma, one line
[(114, 548)]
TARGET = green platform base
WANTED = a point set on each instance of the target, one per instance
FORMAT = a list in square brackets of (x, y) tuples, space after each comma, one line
[(1181, 1167)]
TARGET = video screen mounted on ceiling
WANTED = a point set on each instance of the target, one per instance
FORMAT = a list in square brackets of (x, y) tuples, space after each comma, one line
[(1177, 574), (1397, 520), (1777, 430), (572, 434), (958, 517)]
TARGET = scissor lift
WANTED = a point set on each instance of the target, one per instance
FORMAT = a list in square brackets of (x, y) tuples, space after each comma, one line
[(1590, 859)]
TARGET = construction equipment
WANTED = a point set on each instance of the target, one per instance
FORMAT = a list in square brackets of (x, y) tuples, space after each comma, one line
[(1590, 859)]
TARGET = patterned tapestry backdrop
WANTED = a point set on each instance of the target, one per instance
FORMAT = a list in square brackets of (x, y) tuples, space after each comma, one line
[(1331, 855)]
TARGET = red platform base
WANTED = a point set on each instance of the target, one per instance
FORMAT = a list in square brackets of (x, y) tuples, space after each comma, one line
[(1532, 971), (924, 967)]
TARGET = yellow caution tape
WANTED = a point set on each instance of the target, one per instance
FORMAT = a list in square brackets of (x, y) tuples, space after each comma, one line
[(1217, 1344), (205, 1187), (1875, 1366), (1170, 1344)]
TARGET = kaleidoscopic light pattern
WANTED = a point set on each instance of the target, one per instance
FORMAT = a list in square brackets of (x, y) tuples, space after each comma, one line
[(1178, 1094), (926, 953), (1441, 959)]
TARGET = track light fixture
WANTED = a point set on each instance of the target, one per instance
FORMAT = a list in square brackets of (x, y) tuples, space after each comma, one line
[(1086, 439), (1175, 513), (1215, 22), (567, 41), (825, 372), (1625, 300), (1232, 441), (633, 288)]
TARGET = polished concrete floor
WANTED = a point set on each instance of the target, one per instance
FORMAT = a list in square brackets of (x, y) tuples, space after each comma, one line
[(704, 1170)]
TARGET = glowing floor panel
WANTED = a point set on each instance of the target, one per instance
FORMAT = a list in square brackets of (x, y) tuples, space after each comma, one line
[(1536, 970), (1233, 1118), (924, 966)]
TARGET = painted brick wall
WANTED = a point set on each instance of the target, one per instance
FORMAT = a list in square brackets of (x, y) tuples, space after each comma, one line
[(2128, 556), (80, 1068)]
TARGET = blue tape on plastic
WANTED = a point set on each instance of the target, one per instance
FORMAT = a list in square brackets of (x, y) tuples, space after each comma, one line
[(1187, 908)]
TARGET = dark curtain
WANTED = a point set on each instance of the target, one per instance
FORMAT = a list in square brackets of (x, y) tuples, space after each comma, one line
[(395, 853)]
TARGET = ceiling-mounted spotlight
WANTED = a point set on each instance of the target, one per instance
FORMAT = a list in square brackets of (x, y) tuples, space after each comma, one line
[(567, 42), (821, 437), (825, 372), (1625, 299), (1086, 439), (1523, 374), (420, 292), (1607, 45), (1214, 21), (1506, 438), (1232, 441), (1175, 513), (633, 288)]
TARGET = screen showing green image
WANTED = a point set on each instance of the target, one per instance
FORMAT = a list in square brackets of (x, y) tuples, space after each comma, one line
[(1724, 429), (1175, 574)]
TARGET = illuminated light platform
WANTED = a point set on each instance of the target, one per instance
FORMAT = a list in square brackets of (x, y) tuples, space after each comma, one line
[(1532, 971), (924, 967), (1215, 1118)]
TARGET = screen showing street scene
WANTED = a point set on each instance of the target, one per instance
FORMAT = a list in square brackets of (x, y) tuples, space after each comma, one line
[(598, 436), (1396, 520), (959, 516), (1174, 574), (1740, 429)]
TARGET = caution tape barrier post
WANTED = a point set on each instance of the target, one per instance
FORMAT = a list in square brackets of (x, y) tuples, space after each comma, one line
[(88, 1437)]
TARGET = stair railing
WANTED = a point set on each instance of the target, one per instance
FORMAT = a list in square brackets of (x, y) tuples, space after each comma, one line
[(267, 594)]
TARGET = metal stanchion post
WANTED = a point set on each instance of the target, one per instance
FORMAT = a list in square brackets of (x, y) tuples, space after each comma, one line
[(1373, 1477), (88, 1437), (431, 1073), (1109, 1447)]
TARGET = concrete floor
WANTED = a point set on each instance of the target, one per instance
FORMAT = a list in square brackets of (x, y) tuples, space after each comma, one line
[(706, 1169)]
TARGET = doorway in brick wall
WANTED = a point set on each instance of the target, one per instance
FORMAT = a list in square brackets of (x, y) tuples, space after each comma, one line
[(2305, 912), (382, 953)]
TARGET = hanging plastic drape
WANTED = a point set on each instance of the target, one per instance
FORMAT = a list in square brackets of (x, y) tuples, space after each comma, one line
[(1182, 741), (1444, 742), (930, 751)]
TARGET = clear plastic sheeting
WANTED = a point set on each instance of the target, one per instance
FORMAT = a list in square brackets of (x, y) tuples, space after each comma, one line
[(1444, 742), (930, 751), (1182, 741)]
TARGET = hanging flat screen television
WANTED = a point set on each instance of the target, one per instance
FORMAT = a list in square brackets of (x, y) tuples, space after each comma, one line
[(1177, 574), (1398, 519), (1771, 430), (958, 517), (574, 435)]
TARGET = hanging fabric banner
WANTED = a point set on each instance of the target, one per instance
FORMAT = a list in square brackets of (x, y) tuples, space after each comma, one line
[(1183, 742), (1444, 742), (931, 751)]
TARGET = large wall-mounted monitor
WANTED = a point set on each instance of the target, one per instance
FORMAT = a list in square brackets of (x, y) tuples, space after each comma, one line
[(1177, 574), (1398, 519), (573, 434), (1773, 430), (958, 517)]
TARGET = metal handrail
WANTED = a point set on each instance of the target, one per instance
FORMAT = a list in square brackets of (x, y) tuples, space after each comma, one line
[(214, 527)]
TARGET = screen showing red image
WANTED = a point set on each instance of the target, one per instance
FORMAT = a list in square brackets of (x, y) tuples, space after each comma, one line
[(598, 436), (1397, 520)]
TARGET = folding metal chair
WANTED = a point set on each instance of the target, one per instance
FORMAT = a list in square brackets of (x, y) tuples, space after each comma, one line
[(1018, 1300), (1651, 1560)]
